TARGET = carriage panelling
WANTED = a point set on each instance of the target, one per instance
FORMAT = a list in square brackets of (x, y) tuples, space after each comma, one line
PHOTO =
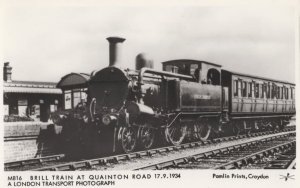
[(259, 96)]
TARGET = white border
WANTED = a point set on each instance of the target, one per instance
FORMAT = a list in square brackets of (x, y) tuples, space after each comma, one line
[(191, 178)]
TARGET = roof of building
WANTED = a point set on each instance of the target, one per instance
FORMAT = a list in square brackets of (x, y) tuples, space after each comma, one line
[(74, 80), (16, 86)]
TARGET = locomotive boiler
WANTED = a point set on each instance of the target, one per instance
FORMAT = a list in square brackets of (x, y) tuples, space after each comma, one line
[(188, 100)]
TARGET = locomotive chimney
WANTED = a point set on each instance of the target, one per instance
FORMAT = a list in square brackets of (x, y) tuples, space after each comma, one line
[(7, 70), (114, 50)]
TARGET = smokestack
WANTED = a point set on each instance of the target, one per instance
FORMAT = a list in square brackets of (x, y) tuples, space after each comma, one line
[(7, 70), (114, 50)]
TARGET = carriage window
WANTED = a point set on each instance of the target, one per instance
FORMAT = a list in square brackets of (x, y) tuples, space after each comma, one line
[(256, 91), (274, 91), (286, 93), (279, 92), (239, 88), (235, 88), (244, 89), (269, 91), (265, 90), (293, 93), (250, 89), (261, 91)]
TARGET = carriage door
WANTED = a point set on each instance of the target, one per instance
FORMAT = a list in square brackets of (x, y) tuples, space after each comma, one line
[(236, 99)]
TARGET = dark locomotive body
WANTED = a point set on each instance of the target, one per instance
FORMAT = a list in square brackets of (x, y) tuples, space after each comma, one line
[(188, 100)]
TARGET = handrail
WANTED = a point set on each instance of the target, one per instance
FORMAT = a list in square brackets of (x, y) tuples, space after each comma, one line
[(162, 73)]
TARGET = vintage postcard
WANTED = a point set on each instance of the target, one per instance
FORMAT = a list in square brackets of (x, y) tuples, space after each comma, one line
[(148, 93)]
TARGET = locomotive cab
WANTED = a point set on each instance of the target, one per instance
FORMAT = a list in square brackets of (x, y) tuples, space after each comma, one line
[(203, 94), (202, 71)]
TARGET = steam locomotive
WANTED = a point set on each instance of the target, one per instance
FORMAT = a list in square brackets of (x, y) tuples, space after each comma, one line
[(188, 100)]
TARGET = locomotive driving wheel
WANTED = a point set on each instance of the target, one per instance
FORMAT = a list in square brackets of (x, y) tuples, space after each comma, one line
[(127, 138), (146, 137), (203, 129), (176, 133)]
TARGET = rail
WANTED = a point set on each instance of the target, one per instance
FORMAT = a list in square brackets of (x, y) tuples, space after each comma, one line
[(173, 163), (32, 161), (148, 153)]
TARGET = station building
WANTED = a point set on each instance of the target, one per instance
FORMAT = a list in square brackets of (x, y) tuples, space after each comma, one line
[(31, 99)]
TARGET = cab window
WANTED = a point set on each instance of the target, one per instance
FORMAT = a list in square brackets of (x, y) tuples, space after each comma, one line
[(172, 68), (193, 68)]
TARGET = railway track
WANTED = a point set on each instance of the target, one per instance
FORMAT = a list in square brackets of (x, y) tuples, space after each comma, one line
[(106, 163), (230, 157), (285, 160), (34, 162)]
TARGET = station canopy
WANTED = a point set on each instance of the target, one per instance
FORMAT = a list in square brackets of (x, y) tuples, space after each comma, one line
[(16, 86)]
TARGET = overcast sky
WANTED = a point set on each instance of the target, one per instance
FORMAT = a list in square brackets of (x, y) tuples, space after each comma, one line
[(44, 43)]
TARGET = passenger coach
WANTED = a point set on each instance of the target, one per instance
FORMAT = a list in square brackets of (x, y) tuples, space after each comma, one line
[(253, 98)]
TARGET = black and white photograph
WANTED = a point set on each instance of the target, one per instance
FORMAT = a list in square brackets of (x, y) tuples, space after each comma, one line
[(102, 93)]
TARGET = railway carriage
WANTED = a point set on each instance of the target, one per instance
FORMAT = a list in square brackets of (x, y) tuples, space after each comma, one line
[(257, 102)]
